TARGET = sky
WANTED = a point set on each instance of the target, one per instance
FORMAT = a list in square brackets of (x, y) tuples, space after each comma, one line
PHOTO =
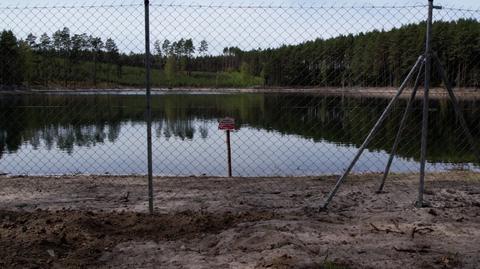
[(249, 28)]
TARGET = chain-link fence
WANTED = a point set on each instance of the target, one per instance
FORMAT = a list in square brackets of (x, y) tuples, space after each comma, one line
[(304, 85)]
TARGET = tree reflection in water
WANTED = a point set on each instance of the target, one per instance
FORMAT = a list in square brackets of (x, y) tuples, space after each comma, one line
[(75, 121)]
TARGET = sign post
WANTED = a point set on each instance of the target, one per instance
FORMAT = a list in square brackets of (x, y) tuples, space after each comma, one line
[(228, 124), (229, 154)]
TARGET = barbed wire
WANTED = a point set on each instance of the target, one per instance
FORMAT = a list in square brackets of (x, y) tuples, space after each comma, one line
[(241, 5), (26, 7), (230, 6), (466, 9)]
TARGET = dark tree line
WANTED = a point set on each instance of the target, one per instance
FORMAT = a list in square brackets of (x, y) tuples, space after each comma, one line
[(11, 60), (58, 58), (377, 58), (55, 58), (69, 58)]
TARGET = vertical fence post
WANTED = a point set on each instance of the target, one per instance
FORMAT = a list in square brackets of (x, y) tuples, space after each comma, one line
[(428, 61), (229, 154), (149, 106)]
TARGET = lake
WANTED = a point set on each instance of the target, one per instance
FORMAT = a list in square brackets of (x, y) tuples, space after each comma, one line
[(279, 134)]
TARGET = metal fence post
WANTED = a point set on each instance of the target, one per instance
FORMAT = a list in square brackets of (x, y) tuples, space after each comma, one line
[(149, 106), (428, 61)]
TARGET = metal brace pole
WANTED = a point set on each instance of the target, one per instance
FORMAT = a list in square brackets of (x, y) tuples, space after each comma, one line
[(149, 105), (373, 132), (401, 127), (424, 141)]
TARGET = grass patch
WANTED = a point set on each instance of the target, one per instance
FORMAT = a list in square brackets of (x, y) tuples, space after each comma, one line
[(111, 76)]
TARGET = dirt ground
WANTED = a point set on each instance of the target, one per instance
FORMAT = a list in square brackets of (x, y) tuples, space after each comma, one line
[(102, 222)]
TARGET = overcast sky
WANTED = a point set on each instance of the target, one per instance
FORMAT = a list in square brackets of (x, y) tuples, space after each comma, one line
[(220, 27)]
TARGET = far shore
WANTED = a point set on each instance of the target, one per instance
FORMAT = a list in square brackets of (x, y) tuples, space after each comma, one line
[(378, 92)]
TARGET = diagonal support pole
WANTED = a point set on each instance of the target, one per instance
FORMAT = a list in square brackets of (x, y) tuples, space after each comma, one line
[(456, 107), (401, 128), (373, 131)]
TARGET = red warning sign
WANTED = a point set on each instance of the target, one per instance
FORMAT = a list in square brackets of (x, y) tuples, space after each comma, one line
[(226, 124)]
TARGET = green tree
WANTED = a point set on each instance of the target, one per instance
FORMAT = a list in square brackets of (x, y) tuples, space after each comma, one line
[(45, 43), (113, 55), (45, 65), (96, 46), (11, 65), (62, 44), (80, 44), (245, 72), (29, 63), (167, 47), (158, 53), (31, 41), (203, 49), (189, 50), (171, 68)]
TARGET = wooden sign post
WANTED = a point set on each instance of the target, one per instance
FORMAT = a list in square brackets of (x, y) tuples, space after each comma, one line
[(228, 124)]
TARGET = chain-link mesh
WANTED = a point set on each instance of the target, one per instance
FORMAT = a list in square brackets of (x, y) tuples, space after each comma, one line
[(305, 85)]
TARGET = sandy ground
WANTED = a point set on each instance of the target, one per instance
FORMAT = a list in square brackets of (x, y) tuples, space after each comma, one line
[(101, 221)]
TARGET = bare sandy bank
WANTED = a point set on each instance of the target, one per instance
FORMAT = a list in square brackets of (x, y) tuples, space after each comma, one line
[(101, 221)]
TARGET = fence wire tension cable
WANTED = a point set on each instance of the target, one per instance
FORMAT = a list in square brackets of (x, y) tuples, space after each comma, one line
[(423, 65)]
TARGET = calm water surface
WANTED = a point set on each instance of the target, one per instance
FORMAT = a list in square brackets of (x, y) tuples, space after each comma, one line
[(278, 134)]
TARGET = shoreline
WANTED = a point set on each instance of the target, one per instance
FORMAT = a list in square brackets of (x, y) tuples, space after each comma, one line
[(376, 92)]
